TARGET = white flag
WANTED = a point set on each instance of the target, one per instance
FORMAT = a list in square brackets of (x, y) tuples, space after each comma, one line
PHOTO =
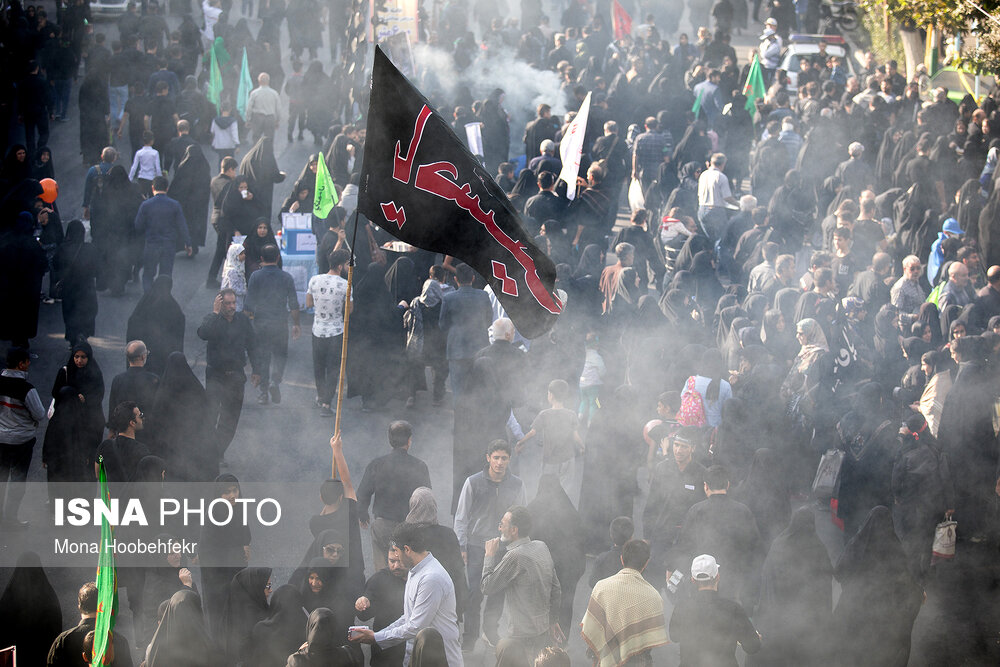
[(474, 137), (571, 148)]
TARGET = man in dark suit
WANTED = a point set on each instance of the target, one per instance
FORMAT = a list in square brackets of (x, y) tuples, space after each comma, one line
[(466, 316), (161, 222), (136, 383)]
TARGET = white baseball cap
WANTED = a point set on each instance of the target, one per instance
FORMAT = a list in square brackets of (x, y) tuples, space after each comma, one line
[(704, 568)]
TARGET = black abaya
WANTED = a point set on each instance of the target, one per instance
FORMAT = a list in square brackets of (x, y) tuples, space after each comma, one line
[(159, 322), (260, 166), (879, 599), (30, 615), (77, 264), (796, 598), (282, 633), (95, 107), (182, 638), (112, 217), (766, 493), (22, 265), (89, 383), (557, 523), (245, 607), (180, 424), (62, 451), (191, 187)]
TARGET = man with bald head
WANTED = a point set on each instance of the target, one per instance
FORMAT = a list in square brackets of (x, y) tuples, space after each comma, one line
[(136, 384), (263, 106), (956, 292)]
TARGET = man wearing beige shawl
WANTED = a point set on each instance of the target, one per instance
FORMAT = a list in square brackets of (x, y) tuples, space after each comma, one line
[(624, 619)]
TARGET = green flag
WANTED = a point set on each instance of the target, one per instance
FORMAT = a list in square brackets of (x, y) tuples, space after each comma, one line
[(214, 82), (697, 104), (325, 197), (754, 87), (246, 85), (107, 582)]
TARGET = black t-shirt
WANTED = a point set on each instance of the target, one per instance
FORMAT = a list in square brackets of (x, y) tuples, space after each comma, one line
[(137, 107)]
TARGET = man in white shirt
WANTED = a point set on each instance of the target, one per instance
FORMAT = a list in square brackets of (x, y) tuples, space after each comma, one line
[(714, 194), (428, 600), (262, 107), (327, 294), (146, 163)]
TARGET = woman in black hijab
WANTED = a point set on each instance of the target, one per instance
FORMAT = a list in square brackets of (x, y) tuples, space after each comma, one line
[(282, 633), (180, 424), (83, 374), (220, 548), (694, 146), (182, 637), (377, 340), (879, 598), (869, 441), (30, 614), (41, 165), (16, 167), (159, 322), (240, 211), (401, 281), (191, 187), (735, 438), (695, 244), (708, 289), (584, 289), (557, 523), (262, 169), (317, 588), (776, 336), (614, 446), (77, 264), (796, 598), (95, 108), (261, 235), (685, 195), (62, 449), (525, 187), (929, 314), (246, 606), (159, 583), (323, 646), (765, 491), (112, 217)]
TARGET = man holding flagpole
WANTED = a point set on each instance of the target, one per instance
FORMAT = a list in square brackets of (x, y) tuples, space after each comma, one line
[(262, 108)]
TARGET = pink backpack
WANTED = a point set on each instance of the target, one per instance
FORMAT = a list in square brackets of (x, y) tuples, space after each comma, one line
[(692, 412)]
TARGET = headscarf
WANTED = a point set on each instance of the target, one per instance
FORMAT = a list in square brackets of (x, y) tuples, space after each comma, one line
[(765, 491), (814, 338), (929, 314), (246, 606), (915, 348), (320, 634), (786, 300), (39, 169), (182, 638), (726, 317), (88, 380), (284, 631), (423, 507), (591, 262), (30, 615), (401, 280), (948, 317), (755, 305), (235, 265)]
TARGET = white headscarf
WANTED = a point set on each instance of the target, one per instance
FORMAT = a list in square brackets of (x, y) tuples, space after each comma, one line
[(233, 259)]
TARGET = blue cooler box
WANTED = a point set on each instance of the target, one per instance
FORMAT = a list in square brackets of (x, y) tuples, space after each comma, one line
[(298, 242)]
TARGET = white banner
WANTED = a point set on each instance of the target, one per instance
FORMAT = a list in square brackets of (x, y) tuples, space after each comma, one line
[(474, 137), (571, 148)]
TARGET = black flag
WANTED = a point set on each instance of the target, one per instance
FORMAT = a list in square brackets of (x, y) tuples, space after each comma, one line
[(422, 185)]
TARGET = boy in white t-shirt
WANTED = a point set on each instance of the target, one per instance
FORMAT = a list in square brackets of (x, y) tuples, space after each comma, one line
[(327, 294)]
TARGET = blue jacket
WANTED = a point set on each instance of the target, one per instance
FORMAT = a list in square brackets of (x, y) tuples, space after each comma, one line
[(161, 220), (466, 316)]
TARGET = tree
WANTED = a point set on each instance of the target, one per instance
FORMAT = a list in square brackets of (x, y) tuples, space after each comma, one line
[(963, 16)]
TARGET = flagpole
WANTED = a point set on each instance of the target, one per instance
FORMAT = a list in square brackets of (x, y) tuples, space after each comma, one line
[(343, 348)]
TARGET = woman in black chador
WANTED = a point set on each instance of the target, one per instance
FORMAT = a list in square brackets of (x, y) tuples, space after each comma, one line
[(77, 265), (83, 374), (180, 426), (159, 322), (191, 187), (30, 615)]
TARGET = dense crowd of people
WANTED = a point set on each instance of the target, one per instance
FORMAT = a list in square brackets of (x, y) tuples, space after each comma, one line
[(795, 336)]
